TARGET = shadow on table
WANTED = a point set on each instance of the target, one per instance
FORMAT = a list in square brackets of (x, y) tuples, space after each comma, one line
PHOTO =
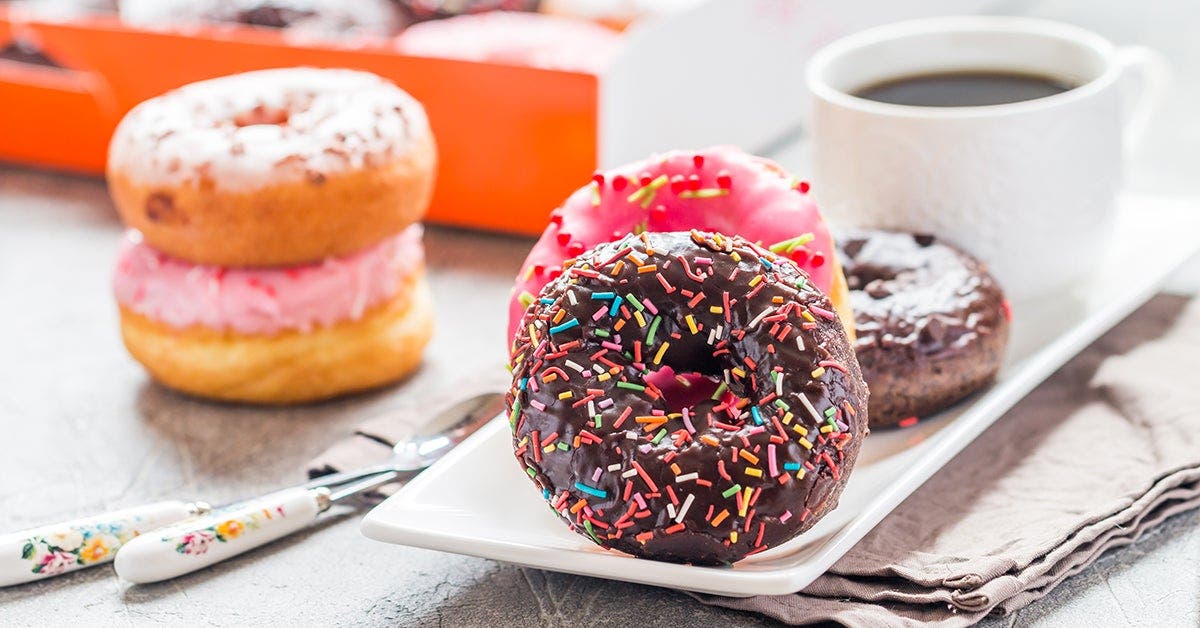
[(80, 197), (536, 597), (219, 440), (474, 253)]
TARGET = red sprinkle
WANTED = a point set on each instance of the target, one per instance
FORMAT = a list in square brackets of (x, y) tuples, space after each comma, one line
[(724, 180), (908, 421), (678, 184), (619, 182), (645, 478), (698, 160)]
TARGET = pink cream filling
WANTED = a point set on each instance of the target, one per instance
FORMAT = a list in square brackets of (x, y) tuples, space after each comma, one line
[(263, 301)]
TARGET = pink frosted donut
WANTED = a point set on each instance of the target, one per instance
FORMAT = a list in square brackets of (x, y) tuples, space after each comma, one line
[(514, 38), (615, 13), (276, 335), (184, 295), (719, 189)]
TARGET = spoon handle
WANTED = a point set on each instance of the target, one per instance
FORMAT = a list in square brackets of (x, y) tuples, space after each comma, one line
[(226, 532), (69, 546)]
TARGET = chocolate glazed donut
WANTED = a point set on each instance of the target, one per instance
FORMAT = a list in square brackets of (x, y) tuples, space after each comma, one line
[(686, 397), (932, 323)]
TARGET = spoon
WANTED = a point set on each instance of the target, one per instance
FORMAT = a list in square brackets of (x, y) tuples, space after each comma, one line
[(168, 539), (449, 428)]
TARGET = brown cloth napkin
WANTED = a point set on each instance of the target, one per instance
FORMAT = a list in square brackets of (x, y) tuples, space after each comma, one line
[(1105, 449)]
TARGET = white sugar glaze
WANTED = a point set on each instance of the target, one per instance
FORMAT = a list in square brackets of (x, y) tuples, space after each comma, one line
[(315, 122)]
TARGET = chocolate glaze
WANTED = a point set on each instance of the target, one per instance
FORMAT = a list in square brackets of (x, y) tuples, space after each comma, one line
[(644, 460), (932, 323)]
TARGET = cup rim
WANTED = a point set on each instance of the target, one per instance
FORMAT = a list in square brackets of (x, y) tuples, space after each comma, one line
[(820, 88)]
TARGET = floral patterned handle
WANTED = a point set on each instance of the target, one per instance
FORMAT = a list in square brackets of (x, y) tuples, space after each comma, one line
[(63, 547), (226, 532)]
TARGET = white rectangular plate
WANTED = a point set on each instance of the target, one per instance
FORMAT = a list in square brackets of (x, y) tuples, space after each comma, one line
[(477, 501)]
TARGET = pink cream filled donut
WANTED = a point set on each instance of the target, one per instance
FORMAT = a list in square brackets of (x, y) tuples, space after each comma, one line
[(514, 38), (719, 189), (264, 301)]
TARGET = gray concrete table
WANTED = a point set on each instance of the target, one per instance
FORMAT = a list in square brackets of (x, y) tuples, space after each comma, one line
[(82, 430)]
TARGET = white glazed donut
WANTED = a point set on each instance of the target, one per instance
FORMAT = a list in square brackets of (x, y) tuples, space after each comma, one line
[(274, 167)]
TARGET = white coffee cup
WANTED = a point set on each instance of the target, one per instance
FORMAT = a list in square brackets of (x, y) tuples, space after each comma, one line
[(1029, 187)]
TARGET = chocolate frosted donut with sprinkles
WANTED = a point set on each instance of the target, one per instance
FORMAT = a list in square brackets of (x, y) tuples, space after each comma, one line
[(686, 397)]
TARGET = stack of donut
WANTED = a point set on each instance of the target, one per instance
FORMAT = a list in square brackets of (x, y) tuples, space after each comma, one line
[(274, 254)]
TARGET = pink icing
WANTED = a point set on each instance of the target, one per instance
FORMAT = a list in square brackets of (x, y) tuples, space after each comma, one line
[(763, 204), (263, 301), (514, 38)]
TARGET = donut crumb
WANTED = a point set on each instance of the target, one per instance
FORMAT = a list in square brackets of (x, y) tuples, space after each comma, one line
[(160, 207)]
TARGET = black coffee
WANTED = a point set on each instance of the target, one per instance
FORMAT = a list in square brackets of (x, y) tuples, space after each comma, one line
[(963, 89)]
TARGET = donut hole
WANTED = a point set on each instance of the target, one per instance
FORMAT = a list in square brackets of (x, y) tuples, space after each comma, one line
[(262, 114), (683, 390)]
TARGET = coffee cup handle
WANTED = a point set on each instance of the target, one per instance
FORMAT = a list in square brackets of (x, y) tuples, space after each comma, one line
[(1150, 74)]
